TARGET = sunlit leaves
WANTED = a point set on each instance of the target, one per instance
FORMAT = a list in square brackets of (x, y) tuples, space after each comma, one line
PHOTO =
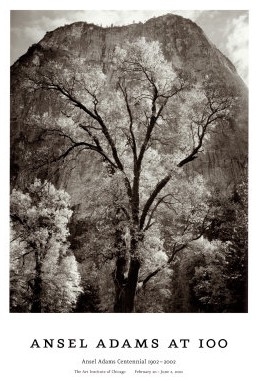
[(127, 126), (39, 237), (143, 61), (210, 279)]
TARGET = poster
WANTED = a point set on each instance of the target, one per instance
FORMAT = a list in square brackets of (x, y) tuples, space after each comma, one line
[(140, 345)]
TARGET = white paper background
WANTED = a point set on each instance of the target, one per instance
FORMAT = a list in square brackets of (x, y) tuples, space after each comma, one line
[(239, 361)]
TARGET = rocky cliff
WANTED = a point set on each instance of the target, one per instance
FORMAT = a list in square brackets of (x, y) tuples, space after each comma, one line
[(183, 43), (182, 40)]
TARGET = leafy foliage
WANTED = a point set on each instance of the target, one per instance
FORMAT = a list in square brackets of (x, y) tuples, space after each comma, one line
[(230, 225), (39, 248), (211, 276), (139, 120)]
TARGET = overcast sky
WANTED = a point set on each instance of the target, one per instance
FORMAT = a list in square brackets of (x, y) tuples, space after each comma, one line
[(228, 30)]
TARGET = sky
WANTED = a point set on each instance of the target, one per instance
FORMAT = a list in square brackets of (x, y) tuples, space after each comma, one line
[(228, 30)]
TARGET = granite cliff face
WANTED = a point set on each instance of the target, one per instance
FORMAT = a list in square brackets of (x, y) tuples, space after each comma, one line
[(182, 40), (183, 43)]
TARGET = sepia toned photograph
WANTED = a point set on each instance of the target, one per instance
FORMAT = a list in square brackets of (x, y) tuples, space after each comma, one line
[(129, 162)]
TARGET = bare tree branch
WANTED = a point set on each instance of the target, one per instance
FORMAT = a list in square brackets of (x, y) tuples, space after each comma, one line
[(152, 197), (148, 225), (129, 111), (203, 128), (51, 85), (176, 249)]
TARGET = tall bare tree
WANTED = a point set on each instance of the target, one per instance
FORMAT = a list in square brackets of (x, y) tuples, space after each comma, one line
[(146, 121)]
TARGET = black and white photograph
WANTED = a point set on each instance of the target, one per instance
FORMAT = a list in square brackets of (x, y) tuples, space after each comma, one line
[(129, 192), (128, 165)]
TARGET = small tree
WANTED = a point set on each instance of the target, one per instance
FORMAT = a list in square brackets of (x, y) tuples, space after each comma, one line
[(44, 275), (229, 224), (210, 275)]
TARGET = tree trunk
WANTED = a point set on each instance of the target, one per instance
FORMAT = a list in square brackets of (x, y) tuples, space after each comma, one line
[(128, 262), (126, 290), (37, 287), (126, 275)]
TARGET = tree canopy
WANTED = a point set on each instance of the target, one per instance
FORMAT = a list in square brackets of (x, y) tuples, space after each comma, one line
[(142, 121)]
